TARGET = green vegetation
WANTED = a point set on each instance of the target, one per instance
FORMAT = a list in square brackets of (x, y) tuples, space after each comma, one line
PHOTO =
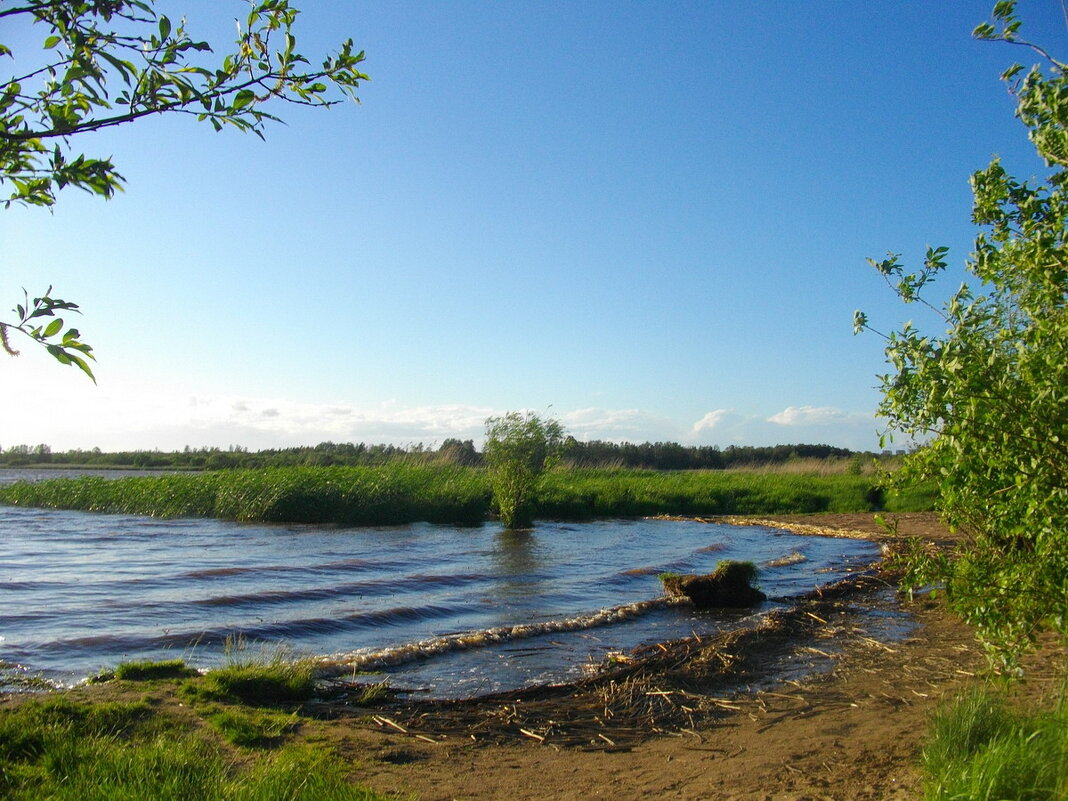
[(112, 63), (989, 396), (645, 456), (400, 493), (151, 671), (252, 728), (256, 677), (65, 749), (980, 750), (392, 494), (178, 740), (991, 393), (519, 449), (584, 494), (730, 585)]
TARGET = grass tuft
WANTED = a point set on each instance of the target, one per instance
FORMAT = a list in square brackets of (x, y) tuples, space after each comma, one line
[(149, 671), (980, 750), (252, 728), (258, 677)]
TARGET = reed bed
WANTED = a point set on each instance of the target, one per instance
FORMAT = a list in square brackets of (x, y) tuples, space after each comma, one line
[(594, 493), (357, 496), (399, 493)]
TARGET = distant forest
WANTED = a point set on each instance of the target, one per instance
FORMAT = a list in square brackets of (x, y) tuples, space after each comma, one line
[(649, 455)]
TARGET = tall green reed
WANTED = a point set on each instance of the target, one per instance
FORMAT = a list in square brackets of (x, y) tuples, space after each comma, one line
[(400, 492)]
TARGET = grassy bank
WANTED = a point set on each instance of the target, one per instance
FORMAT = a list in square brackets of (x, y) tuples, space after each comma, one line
[(579, 494), (402, 493), (166, 736)]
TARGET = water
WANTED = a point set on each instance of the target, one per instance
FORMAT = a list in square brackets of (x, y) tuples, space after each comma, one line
[(441, 610)]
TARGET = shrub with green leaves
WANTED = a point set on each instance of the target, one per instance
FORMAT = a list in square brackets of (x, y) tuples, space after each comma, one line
[(519, 449), (989, 396)]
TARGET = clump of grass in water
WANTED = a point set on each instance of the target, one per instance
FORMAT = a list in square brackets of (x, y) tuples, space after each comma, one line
[(979, 749), (257, 677), (729, 585)]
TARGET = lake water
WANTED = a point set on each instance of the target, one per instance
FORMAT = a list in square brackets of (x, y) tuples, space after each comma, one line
[(442, 610)]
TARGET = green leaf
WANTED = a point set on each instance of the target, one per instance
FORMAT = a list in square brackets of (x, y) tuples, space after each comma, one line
[(51, 42), (244, 98), (53, 328)]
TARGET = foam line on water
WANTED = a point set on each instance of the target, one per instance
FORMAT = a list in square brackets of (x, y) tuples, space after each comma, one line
[(435, 646)]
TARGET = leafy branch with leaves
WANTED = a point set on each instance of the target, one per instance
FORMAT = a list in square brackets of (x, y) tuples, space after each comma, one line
[(112, 62), (989, 395)]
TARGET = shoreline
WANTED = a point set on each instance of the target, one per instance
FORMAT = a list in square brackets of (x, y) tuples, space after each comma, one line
[(693, 720), (850, 730)]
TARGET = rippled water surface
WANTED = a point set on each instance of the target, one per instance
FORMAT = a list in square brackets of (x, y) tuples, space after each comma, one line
[(82, 591)]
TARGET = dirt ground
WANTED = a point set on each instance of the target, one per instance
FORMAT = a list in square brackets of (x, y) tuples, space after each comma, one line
[(849, 725)]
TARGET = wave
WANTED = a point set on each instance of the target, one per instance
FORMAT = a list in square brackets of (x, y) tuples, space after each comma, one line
[(463, 641), (794, 558), (287, 630), (360, 589)]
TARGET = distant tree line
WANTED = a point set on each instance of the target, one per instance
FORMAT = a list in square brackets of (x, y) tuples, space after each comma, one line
[(673, 456), (597, 453)]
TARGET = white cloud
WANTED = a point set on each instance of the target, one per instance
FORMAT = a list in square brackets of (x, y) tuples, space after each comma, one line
[(712, 419), (809, 415), (61, 408), (618, 425)]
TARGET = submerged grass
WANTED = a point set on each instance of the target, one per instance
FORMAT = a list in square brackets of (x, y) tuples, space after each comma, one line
[(400, 493), (980, 750)]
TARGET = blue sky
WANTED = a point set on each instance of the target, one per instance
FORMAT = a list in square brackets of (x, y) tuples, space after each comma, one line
[(650, 219)]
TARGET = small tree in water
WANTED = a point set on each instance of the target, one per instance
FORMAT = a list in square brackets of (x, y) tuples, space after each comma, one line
[(519, 449)]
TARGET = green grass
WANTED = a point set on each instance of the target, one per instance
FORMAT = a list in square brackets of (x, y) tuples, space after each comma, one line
[(65, 749), (401, 492), (599, 493), (252, 728), (150, 671), (981, 750), (360, 496), (256, 677)]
